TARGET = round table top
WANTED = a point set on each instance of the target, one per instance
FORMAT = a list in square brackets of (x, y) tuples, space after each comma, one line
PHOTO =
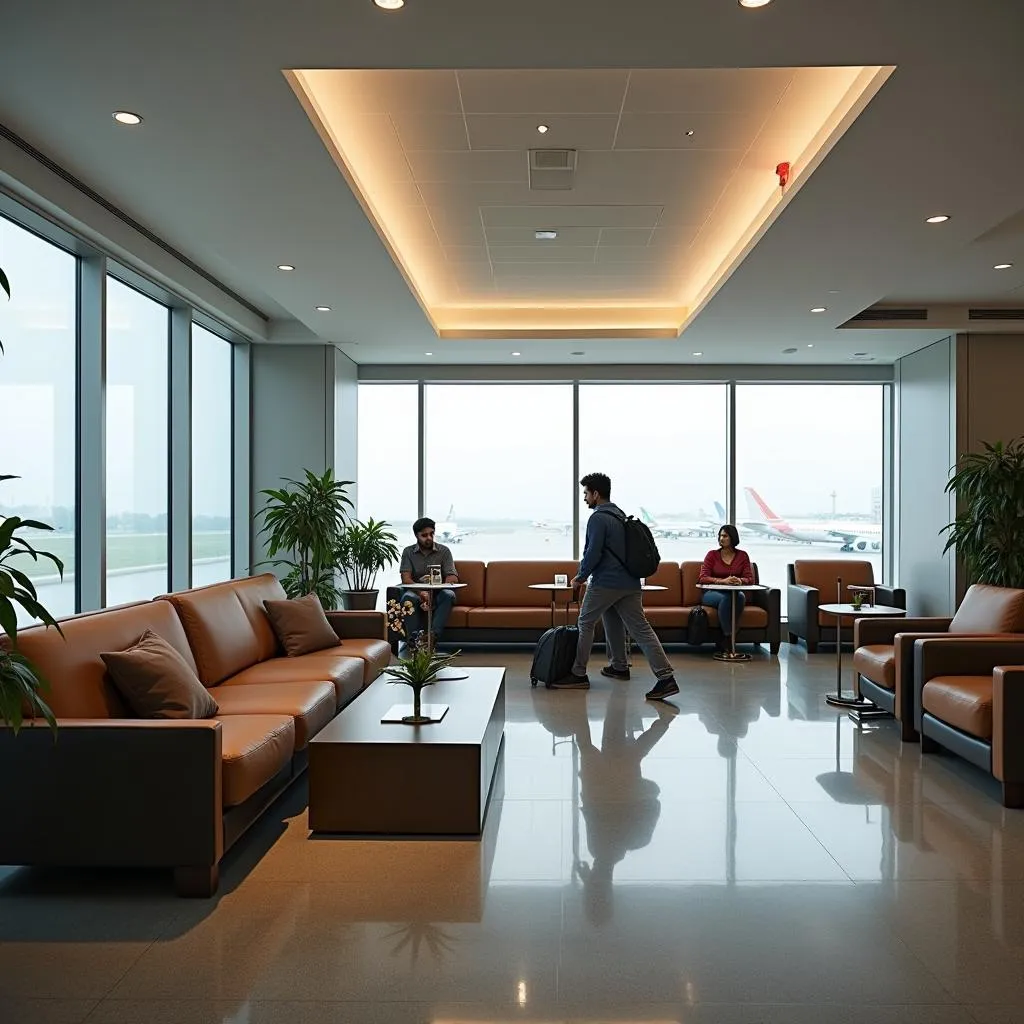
[(433, 586), (653, 586), (863, 611), (550, 586), (732, 586)]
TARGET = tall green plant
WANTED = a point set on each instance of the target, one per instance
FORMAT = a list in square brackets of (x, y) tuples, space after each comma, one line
[(986, 534), (363, 550), (304, 521)]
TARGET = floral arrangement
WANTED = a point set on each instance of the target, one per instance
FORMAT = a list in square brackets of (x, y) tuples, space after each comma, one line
[(398, 612)]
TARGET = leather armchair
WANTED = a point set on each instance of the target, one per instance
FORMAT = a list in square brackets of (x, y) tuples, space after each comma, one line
[(969, 698), (814, 582)]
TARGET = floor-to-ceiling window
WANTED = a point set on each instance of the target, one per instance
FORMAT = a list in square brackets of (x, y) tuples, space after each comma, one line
[(38, 405), (809, 466), (665, 447), (137, 444), (211, 457), (497, 466)]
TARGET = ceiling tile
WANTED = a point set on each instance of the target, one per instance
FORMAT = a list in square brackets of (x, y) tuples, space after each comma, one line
[(639, 253), (732, 129), (705, 90), (392, 91), (497, 237), (466, 254), (469, 167), (611, 216), (523, 91), (625, 236), (519, 131), (540, 252), (418, 131)]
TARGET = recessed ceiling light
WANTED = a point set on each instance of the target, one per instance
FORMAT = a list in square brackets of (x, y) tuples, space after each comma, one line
[(818, 309), (542, 128), (323, 309), (939, 218), (517, 353), (1002, 266), (754, 3), (698, 353), (545, 235), (428, 353), (689, 132), (810, 345), (390, 5), (285, 266), (126, 117)]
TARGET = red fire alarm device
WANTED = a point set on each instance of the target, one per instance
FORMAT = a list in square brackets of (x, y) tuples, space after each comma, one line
[(782, 170)]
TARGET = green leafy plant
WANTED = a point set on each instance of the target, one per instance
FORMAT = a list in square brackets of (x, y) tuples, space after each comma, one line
[(304, 521), (417, 671), (363, 550), (989, 487)]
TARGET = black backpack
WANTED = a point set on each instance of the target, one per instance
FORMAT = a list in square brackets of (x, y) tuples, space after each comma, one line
[(642, 558)]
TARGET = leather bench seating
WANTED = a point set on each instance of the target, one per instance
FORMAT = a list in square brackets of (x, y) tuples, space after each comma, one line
[(813, 582), (115, 790), (883, 657), (969, 699), (498, 606)]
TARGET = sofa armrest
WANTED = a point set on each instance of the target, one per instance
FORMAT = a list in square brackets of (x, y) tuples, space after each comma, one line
[(871, 631), (359, 625), (963, 656), (894, 597), (1008, 723), (803, 611), (771, 601), (113, 792)]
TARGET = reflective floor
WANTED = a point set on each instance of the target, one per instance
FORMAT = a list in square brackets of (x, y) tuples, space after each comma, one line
[(745, 856)]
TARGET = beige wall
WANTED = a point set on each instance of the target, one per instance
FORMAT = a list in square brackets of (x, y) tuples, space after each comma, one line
[(993, 380)]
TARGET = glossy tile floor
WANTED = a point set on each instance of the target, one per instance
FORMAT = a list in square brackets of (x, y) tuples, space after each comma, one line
[(745, 856)]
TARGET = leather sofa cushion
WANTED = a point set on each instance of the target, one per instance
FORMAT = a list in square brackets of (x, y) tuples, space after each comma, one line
[(301, 625), (457, 617), (254, 748), (508, 583), (80, 686), (310, 705), (987, 609), (156, 681), (513, 618), (692, 593), (964, 702), (751, 618), (667, 618), (877, 662), (375, 654), (345, 671), (472, 574), (668, 575)]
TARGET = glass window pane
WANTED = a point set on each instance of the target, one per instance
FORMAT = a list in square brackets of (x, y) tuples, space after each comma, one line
[(387, 463), (38, 405), (665, 448), (211, 457), (809, 474), (498, 465), (137, 445)]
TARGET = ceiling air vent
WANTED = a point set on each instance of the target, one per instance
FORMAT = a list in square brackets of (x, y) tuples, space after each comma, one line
[(880, 313), (552, 168), (995, 314)]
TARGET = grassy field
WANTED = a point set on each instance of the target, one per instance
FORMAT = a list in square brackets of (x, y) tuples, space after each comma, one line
[(124, 550)]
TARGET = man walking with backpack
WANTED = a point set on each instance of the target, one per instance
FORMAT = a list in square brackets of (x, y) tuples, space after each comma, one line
[(616, 556)]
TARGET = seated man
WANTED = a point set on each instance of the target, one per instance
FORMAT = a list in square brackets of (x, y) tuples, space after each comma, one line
[(417, 560)]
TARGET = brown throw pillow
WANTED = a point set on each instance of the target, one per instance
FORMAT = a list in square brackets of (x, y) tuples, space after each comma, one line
[(301, 625), (157, 682)]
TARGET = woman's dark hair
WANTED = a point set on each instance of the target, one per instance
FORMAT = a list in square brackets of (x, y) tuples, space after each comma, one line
[(734, 534), (599, 482), (423, 524)]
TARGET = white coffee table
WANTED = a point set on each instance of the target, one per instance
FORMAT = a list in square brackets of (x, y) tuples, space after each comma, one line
[(732, 654), (446, 674), (847, 611)]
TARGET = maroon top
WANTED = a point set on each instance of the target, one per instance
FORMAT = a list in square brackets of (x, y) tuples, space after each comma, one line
[(714, 568)]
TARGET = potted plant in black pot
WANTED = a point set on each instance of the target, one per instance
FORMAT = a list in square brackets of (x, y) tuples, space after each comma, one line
[(363, 550)]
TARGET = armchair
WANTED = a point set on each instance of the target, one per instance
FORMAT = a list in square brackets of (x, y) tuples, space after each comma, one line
[(813, 582), (969, 698), (883, 657)]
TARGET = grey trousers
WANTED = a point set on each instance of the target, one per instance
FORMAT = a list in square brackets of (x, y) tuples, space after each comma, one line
[(619, 610)]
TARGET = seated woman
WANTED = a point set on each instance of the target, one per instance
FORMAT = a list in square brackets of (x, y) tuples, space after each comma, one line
[(726, 564)]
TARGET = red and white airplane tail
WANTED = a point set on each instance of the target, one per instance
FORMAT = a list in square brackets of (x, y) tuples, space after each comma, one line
[(759, 509)]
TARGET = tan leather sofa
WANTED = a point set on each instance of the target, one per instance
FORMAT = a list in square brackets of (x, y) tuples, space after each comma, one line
[(969, 698), (817, 581), (114, 790), (498, 606), (884, 648)]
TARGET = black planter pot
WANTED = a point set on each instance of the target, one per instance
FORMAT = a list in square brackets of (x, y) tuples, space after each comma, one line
[(360, 600)]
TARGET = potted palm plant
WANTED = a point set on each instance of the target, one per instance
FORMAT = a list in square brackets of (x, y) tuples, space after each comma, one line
[(363, 550), (419, 670), (304, 521), (989, 487)]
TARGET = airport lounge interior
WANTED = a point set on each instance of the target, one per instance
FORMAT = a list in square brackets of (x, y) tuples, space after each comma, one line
[(512, 515)]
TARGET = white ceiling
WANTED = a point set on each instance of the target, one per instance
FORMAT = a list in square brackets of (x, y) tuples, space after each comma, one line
[(228, 169)]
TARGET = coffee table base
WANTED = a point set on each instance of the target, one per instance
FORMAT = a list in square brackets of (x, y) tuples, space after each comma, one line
[(732, 656), (847, 700), (870, 713)]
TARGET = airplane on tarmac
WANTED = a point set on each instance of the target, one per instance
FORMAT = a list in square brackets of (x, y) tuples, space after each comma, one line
[(850, 535), (673, 529), (448, 532), (552, 525)]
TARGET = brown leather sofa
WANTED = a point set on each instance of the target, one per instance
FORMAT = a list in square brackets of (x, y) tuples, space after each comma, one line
[(115, 791), (498, 606), (813, 582), (884, 648), (969, 698)]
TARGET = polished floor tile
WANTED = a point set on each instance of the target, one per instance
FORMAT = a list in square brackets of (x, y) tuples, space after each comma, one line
[(745, 855)]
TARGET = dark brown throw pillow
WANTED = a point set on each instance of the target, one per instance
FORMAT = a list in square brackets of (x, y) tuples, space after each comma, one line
[(301, 625), (157, 682)]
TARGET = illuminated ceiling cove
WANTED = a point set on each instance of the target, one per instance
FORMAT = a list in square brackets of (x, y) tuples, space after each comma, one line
[(673, 183)]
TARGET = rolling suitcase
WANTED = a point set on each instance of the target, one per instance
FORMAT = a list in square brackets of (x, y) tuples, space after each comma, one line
[(556, 651)]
